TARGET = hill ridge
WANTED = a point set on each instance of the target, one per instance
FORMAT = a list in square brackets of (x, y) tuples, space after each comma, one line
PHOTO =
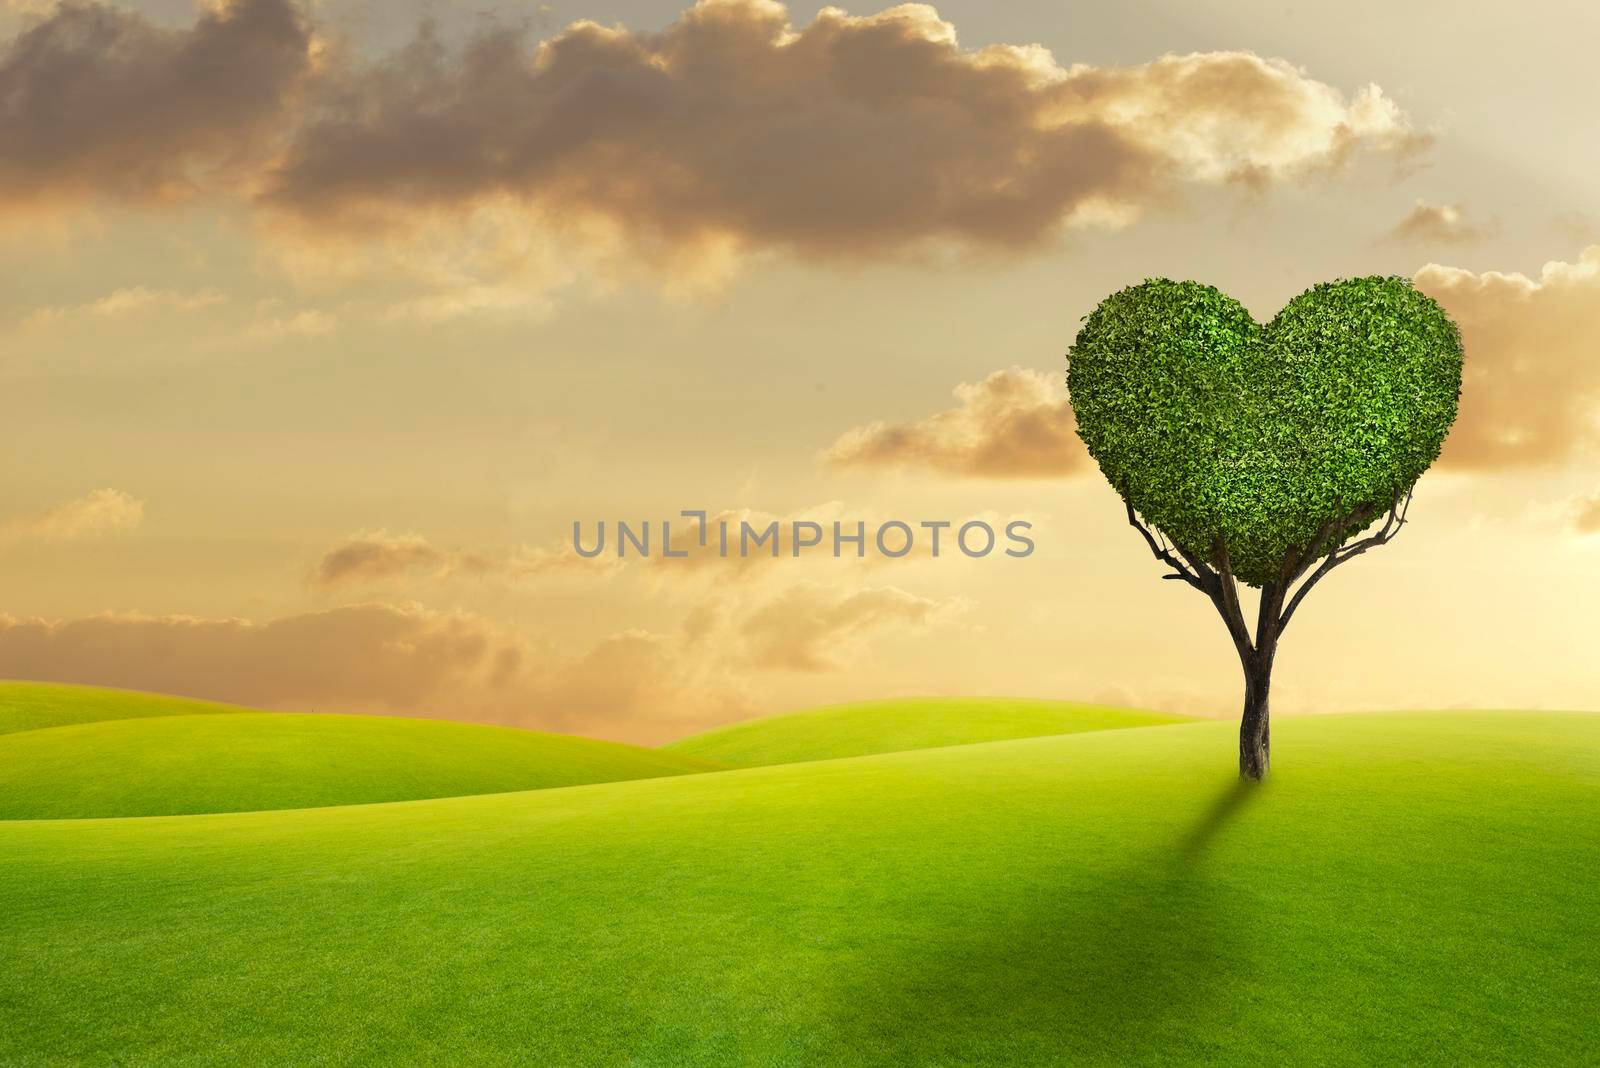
[(263, 761), (894, 724)]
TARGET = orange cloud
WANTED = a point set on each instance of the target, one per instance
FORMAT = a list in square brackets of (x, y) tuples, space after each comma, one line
[(1587, 521), (360, 658), (378, 556), (731, 129), (816, 628), (1016, 423), (646, 688), (1531, 383), (410, 660), (1438, 224), (405, 660), (104, 511), (131, 300), (851, 136), (1530, 390)]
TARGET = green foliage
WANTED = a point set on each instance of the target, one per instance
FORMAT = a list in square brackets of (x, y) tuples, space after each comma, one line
[(1214, 427)]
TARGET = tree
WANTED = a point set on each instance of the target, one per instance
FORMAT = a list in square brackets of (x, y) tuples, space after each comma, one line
[(1264, 455)]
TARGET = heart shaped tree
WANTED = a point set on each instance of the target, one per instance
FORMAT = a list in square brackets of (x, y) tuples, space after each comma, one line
[(1264, 454)]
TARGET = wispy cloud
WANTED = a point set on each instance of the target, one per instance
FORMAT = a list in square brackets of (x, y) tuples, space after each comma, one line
[(1016, 423), (120, 303), (378, 557), (272, 324), (1586, 520), (811, 627), (105, 511), (1439, 224)]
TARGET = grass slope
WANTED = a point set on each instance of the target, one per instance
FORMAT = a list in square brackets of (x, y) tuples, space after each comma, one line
[(26, 706), (895, 726), (1407, 889), (269, 760)]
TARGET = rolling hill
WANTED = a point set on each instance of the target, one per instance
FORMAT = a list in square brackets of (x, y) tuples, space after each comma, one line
[(1406, 889), (168, 765), (892, 726), (26, 706)]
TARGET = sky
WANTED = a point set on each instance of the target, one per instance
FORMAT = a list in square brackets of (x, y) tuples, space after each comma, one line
[(320, 327)]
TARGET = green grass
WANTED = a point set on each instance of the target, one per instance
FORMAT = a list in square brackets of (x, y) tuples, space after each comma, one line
[(895, 726), (268, 760), (1405, 889), (26, 706)]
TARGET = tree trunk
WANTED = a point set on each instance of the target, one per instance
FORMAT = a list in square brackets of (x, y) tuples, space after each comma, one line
[(1255, 739)]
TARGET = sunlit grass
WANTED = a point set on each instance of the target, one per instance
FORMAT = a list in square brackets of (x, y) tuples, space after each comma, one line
[(264, 760), (1405, 889), (893, 726), (28, 706)]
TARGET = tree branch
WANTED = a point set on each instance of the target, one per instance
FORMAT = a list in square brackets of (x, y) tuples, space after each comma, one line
[(1340, 553), (1196, 578), (1227, 599), (1214, 579)]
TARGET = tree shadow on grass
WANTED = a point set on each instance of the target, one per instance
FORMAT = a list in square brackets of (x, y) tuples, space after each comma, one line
[(1116, 967), (1222, 809)]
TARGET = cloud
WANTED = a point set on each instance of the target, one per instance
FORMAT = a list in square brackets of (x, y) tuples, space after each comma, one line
[(269, 327), (371, 558), (406, 659), (1016, 423), (268, 321), (1576, 227), (1438, 224), (646, 688), (539, 561), (359, 658), (377, 658), (1587, 519), (375, 557), (104, 511), (1531, 384), (97, 102), (729, 131), (1530, 389), (709, 670), (130, 300), (852, 136), (811, 627)]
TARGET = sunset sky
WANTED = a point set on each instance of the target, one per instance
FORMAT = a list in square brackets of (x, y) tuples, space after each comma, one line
[(321, 325)]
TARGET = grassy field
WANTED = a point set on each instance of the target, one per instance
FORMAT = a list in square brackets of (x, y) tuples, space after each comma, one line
[(868, 727), (1406, 889), (26, 706), (174, 765)]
